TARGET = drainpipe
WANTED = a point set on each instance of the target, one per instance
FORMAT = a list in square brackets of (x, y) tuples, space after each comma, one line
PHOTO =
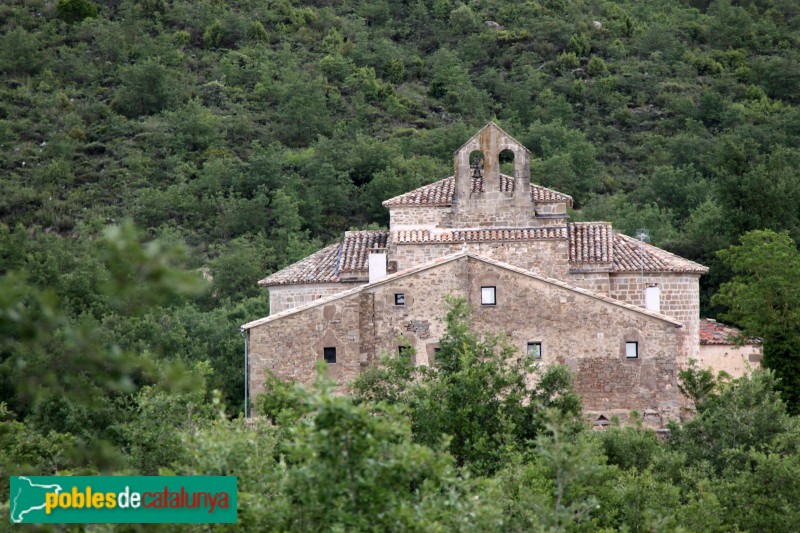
[(246, 374)]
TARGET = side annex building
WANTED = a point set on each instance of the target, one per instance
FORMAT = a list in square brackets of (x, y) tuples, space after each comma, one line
[(622, 314)]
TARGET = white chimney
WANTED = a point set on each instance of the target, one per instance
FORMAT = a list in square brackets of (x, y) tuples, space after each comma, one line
[(652, 298), (377, 266)]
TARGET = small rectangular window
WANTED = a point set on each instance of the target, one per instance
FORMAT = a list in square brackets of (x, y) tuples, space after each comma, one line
[(399, 299), (329, 354), (488, 296), (535, 350), (631, 350)]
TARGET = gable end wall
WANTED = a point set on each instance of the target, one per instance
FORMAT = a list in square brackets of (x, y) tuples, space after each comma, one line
[(582, 332)]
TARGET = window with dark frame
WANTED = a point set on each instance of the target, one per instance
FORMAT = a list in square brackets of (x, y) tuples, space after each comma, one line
[(488, 295), (631, 350), (329, 354), (404, 350), (535, 350), (399, 298)]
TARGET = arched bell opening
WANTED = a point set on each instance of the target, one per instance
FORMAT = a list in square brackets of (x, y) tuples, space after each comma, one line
[(476, 169), (506, 162)]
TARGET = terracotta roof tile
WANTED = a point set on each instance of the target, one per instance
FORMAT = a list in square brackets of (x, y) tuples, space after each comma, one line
[(356, 246), (440, 193), (327, 265), (437, 193), (319, 267), (544, 195), (453, 257), (474, 235), (713, 332), (631, 255), (591, 242)]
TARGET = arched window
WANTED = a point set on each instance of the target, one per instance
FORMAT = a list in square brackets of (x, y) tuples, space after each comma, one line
[(476, 164), (506, 162)]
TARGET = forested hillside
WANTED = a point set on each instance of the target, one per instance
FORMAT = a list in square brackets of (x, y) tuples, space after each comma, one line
[(256, 131), (158, 157)]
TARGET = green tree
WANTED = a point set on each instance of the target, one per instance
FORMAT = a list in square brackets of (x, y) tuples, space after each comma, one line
[(20, 52), (68, 376), (747, 415), (147, 88), (580, 45), (597, 67), (545, 489), (746, 179), (475, 393), (764, 298), (700, 384), (71, 11), (355, 467), (195, 126), (462, 20), (237, 268)]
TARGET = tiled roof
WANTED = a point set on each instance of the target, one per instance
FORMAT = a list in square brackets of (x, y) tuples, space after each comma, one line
[(473, 235), (713, 332), (630, 255), (319, 267), (544, 195), (327, 265), (452, 257), (591, 242), (440, 193), (356, 246)]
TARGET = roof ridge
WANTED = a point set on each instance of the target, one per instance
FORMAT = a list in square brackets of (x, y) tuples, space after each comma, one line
[(663, 256), (440, 193), (355, 290), (357, 231), (444, 235), (490, 124), (306, 262), (338, 269), (451, 257), (574, 288)]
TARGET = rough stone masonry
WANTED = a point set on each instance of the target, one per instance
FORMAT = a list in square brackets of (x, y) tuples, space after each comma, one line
[(622, 314)]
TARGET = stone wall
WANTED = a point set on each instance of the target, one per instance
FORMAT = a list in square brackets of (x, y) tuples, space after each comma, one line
[(548, 257), (283, 297), (680, 299), (291, 345), (735, 360), (598, 282), (418, 323), (493, 210), (551, 209), (417, 217), (586, 333), (589, 336)]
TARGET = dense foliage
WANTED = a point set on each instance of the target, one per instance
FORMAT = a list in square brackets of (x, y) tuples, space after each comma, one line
[(244, 134), (391, 458), (764, 296), (255, 131), (475, 394)]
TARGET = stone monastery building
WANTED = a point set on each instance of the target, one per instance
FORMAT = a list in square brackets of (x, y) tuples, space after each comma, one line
[(623, 315)]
